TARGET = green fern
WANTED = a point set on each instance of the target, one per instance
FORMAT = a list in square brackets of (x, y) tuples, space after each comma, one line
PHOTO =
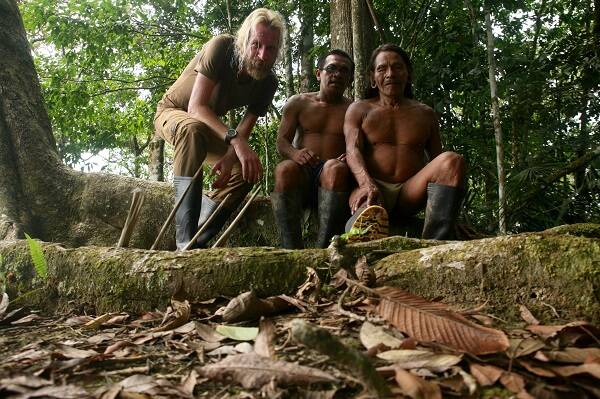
[(39, 261)]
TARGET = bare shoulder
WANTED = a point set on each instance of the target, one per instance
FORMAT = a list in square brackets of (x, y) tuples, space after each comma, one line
[(425, 110), (360, 107)]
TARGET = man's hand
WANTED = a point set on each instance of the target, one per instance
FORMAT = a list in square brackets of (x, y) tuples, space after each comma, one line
[(223, 169), (251, 167), (365, 195), (305, 156)]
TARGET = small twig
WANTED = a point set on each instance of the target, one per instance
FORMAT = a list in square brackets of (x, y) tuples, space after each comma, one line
[(129, 370), (552, 308)]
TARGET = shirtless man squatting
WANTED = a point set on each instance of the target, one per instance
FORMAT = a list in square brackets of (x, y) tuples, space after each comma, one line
[(311, 138), (387, 138)]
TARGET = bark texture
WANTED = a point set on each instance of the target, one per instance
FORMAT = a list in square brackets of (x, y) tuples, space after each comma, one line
[(545, 272)]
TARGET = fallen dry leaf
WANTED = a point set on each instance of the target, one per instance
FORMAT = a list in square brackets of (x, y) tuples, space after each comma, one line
[(238, 333), (254, 371), (569, 333), (97, 322), (371, 336), (311, 288), (413, 359), (78, 320), (523, 347), (537, 370), (587, 368), (513, 382), (264, 343), (247, 306), (416, 387), (365, 274), (24, 381), (57, 391), (208, 334), (485, 375), (527, 316), (568, 355), (434, 322), (27, 319), (182, 316), (69, 352)]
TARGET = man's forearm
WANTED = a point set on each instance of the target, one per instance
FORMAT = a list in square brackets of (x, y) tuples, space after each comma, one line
[(357, 165), (285, 148), (207, 116)]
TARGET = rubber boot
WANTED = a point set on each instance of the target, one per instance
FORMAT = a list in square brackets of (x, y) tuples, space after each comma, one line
[(443, 206), (208, 207), (186, 216), (287, 209), (333, 212)]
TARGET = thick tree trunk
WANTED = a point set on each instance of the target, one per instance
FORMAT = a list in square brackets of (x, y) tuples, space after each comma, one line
[(39, 195)]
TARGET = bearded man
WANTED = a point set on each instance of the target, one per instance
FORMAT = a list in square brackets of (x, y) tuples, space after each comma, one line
[(229, 72)]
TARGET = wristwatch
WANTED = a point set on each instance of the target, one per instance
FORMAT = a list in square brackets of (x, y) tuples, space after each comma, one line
[(230, 135)]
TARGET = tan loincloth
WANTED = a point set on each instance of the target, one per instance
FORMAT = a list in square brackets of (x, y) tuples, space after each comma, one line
[(389, 192)]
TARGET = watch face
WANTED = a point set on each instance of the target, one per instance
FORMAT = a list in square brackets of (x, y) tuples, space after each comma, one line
[(231, 133)]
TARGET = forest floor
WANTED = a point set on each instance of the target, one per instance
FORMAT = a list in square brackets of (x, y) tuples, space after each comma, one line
[(328, 341)]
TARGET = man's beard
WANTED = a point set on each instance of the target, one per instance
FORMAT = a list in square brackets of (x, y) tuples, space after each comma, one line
[(256, 68)]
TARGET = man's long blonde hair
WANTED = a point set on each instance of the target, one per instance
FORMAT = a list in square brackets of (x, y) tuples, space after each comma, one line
[(272, 19)]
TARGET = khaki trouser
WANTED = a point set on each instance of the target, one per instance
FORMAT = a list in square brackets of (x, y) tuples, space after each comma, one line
[(194, 145)]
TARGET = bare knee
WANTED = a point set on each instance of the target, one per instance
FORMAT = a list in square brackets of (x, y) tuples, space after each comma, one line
[(450, 169), (335, 176), (288, 176)]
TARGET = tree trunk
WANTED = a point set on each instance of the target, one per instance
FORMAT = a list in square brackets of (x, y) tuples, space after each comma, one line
[(38, 194), (156, 160), (358, 48), (497, 126), (289, 65), (308, 80), (357, 38)]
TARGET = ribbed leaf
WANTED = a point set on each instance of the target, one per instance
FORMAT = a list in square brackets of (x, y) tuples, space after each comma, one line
[(37, 256), (434, 322)]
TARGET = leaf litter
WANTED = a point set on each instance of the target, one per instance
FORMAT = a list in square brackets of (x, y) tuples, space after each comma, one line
[(383, 341)]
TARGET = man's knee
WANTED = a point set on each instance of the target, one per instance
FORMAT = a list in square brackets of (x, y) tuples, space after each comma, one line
[(451, 167), (335, 175), (288, 175)]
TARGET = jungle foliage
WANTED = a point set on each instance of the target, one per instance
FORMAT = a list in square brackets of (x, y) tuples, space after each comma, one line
[(104, 64)]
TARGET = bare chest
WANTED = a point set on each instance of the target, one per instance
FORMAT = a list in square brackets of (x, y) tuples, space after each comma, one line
[(323, 119), (397, 127)]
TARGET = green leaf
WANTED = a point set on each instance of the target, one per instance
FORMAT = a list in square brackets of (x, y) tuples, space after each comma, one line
[(238, 333), (37, 255)]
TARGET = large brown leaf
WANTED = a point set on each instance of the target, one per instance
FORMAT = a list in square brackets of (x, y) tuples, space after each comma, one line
[(434, 322), (254, 371)]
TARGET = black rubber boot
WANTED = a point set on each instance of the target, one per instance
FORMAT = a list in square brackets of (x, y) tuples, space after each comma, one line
[(333, 212), (287, 208), (443, 206), (186, 217)]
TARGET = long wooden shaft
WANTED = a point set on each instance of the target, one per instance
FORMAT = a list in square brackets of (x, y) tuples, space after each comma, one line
[(236, 220), (206, 224), (177, 204)]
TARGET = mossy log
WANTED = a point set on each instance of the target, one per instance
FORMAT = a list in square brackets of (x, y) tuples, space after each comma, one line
[(537, 269), (101, 279), (552, 274)]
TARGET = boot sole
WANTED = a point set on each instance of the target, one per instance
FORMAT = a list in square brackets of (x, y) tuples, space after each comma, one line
[(372, 224)]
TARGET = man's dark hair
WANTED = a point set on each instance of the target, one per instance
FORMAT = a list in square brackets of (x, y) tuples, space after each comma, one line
[(336, 51), (373, 91)]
